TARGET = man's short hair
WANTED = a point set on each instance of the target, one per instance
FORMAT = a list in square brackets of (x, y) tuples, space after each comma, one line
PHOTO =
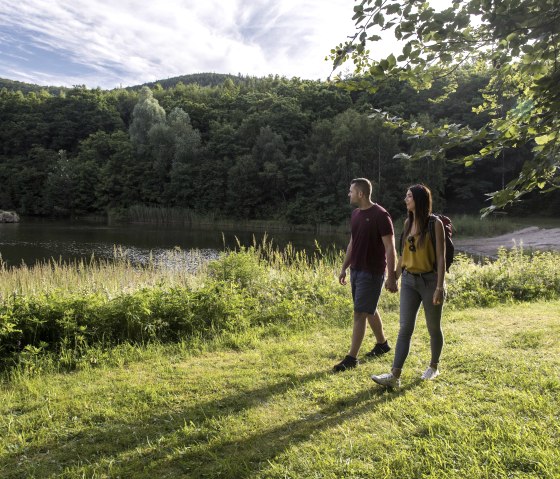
[(364, 185)]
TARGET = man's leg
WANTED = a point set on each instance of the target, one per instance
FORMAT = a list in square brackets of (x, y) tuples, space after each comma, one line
[(381, 346), (366, 289), (376, 325), (358, 333)]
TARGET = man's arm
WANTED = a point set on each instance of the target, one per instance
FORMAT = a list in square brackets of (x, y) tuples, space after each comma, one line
[(391, 255), (346, 263), (399, 268), (399, 263)]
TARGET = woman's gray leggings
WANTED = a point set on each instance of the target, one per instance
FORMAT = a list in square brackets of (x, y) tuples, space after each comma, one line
[(416, 289)]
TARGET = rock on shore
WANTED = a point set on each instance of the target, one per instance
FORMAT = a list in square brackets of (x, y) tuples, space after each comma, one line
[(9, 217)]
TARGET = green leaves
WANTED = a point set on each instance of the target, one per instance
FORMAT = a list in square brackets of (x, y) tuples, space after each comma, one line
[(514, 40), (544, 139)]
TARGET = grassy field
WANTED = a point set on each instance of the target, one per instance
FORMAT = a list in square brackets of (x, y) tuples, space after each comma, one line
[(112, 370), (269, 407)]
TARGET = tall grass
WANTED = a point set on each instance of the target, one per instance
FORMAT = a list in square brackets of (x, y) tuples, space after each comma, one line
[(109, 277), (513, 276), (64, 309)]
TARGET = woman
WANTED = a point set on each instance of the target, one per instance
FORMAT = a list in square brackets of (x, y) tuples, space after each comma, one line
[(422, 264)]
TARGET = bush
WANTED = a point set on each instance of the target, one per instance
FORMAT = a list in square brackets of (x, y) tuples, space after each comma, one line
[(514, 276), (244, 267), (243, 290)]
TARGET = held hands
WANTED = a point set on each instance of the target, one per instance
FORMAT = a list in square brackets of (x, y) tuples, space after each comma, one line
[(391, 284), (439, 295)]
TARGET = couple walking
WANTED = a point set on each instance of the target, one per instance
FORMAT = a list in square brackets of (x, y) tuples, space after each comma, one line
[(370, 252)]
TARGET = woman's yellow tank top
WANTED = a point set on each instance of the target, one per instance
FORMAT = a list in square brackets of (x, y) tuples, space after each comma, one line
[(418, 259)]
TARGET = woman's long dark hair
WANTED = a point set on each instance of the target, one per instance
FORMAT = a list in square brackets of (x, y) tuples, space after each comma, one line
[(422, 210)]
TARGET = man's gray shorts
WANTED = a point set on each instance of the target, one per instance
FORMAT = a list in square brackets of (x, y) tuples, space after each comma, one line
[(366, 289)]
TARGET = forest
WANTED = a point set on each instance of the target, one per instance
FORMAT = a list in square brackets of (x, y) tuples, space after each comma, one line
[(241, 147)]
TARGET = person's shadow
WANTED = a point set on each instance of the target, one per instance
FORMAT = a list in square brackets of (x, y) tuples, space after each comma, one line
[(245, 456), (199, 453)]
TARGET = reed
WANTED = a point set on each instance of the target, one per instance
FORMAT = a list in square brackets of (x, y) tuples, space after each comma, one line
[(109, 277), (63, 309), (189, 218)]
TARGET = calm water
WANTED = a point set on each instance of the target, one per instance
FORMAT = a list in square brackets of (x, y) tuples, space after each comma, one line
[(32, 241)]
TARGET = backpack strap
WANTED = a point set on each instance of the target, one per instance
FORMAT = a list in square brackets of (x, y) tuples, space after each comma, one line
[(432, 231), (401, 240)]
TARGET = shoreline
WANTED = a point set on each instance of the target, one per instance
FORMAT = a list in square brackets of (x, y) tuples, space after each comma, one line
[(532, 238)]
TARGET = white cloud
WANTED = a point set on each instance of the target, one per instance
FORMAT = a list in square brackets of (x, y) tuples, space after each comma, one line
[(130, 41)]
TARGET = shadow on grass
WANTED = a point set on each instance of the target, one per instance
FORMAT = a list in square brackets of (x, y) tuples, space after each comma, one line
[(107, 439), (242, 458), (183, 452)]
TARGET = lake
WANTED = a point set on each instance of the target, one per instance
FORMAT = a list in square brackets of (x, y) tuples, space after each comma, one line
[(33, 240)]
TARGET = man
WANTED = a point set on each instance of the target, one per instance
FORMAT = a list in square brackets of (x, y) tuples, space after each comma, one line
[(370, 251)]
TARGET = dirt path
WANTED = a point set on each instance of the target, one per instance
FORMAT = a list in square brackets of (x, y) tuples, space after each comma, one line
[(532, 238)]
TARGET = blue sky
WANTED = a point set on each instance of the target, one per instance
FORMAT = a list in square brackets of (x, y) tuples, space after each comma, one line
[(127, 42)]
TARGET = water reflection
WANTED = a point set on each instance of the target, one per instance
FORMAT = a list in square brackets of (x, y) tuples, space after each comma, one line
[(34, 241)]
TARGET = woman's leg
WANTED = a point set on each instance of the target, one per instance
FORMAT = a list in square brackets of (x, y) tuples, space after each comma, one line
[(410, 300), (433, 322)]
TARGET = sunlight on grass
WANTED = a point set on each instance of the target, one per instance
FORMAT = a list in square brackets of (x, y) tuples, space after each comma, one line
[(224, 370), (275, 410)]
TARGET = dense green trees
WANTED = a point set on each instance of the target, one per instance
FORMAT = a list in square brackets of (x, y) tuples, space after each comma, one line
[(241, 148)]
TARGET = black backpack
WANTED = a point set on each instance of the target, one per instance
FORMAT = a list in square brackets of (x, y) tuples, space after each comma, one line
[(447, 230)]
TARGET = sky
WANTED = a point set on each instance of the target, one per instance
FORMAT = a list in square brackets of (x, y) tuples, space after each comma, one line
[(113, 43)]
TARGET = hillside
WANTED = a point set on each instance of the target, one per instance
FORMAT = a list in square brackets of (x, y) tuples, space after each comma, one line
[(202, 79), (272, 148), (14, 85)]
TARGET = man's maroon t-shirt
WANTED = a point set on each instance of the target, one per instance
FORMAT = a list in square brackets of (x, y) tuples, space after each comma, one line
[(368, 226)]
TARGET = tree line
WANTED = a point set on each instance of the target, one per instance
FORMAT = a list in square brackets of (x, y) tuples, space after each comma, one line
[(236, 147)]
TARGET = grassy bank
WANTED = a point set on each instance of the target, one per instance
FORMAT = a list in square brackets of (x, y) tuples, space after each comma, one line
[(55, 315), (111, 370), (271, 408)]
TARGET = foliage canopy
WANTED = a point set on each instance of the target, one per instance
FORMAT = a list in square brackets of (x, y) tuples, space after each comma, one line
[(517, 40)]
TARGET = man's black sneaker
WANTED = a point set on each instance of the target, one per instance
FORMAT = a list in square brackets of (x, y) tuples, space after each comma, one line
[(347, 363), (379, 350)]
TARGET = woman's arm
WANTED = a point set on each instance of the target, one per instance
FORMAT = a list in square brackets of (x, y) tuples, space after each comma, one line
[(440, 261)]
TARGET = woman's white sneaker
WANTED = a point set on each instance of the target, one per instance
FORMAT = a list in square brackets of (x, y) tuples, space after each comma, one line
[(388, 380), (430, 374)]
